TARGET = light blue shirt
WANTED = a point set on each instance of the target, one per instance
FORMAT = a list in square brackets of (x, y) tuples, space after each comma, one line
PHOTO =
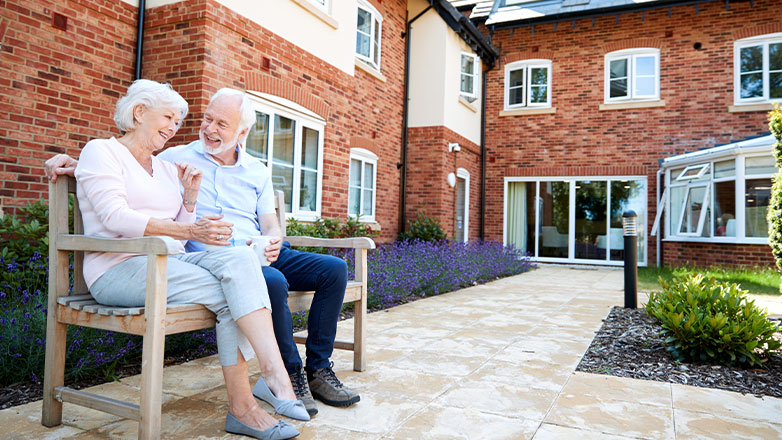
[(241, 192)]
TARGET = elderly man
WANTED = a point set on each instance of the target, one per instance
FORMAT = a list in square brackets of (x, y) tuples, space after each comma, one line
[(239, 186)]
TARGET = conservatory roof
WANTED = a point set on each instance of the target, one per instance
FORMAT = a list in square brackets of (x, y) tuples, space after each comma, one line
[(753, 145)]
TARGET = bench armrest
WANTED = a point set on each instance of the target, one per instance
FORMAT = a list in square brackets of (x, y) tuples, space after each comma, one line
[(354, 242), (156, 245)]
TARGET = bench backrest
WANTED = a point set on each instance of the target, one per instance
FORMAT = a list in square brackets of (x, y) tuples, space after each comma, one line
[(58, 207)]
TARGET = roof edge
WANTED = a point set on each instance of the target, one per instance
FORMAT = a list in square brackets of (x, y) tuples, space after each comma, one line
[(462, 25)]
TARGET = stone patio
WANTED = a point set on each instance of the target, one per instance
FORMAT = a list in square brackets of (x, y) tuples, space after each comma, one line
[(492, 361)]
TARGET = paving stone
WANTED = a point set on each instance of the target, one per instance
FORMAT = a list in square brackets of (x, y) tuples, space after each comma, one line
[(554, 432), (444, 423), (691, 425), (726, 403), (605, 387)]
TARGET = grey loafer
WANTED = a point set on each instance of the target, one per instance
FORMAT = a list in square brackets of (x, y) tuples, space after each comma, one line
[(289, 408), (280, 431)]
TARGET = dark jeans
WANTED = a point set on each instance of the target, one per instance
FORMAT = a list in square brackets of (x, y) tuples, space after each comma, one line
[(327, 276)]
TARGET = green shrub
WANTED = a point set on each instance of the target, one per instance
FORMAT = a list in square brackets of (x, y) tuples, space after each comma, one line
[(25, 233), (330, 228), (708, 321), (774, 214), (423, 228)]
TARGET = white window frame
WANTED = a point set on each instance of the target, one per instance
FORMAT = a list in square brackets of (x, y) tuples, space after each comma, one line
[(760, 40), (702, 168), (364, 156), (526, 65), (631, 55), (376, 18), (473, 75), (672, 226), (464, 174), (324, 5), (303, 118), (571, 180)]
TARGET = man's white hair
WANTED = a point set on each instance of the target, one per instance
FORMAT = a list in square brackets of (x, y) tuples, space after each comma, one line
[(246, 110), (152, 95)]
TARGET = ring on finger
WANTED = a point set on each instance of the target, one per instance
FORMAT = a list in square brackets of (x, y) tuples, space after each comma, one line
[(219, 237)]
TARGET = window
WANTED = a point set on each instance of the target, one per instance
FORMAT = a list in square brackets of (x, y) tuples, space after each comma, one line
[(632, 74), (528, 84), (722, 200), (322, 4), (469, 77), (290, 144), (368, 32), (758, 69), (361, 187)]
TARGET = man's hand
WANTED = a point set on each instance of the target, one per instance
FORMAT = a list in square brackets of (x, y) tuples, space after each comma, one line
[(273, 250), (210, 230), (59, 165), (189, 176)]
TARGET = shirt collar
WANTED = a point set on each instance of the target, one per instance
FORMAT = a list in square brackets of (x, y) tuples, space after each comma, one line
[(241, 159)]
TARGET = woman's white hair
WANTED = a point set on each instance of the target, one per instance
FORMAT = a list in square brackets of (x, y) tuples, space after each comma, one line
[(246, 110), (150, 94)]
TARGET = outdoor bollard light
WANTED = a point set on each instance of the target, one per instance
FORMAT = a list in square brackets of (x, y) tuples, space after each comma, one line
[(630, 227)]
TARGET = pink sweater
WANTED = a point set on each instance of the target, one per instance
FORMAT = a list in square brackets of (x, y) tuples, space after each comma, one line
[(117, 198)]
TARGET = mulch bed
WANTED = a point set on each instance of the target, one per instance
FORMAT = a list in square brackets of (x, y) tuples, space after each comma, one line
[(629, 345)]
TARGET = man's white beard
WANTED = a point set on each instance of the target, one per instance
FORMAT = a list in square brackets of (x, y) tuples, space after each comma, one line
[(224, 146)]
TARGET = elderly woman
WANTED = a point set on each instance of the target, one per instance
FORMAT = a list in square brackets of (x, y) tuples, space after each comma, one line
[(126, 191)]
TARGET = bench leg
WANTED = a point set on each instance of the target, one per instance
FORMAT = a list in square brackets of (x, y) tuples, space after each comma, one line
[(153, 351), (54, 369), (360, 313)]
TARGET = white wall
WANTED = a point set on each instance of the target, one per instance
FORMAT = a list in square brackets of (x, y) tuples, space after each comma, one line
[(295, 24), (435, 66)]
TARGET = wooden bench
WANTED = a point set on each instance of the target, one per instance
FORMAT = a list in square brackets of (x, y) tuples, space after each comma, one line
[(155, 319)]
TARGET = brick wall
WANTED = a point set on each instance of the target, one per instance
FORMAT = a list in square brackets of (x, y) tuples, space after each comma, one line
[(696, 85), (57, 87), (429, 164), (714, 254)]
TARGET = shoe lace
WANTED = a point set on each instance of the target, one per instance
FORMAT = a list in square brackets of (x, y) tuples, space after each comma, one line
[(299, 382), (328, 375)]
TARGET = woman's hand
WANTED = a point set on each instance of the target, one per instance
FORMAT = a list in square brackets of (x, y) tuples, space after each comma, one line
[(210, 230), (189, 176), (59, 165)]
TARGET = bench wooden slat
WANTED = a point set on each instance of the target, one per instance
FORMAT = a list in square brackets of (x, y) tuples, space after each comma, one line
[(64, 300)]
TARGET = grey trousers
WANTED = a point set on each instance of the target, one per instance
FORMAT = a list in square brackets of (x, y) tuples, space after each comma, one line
[(229, 282)]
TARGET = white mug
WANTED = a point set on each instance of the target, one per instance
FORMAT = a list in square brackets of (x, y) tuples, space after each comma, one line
[(259, 245)]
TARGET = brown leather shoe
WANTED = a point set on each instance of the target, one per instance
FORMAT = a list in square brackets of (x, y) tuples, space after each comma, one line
[(302, 390), (328, 389)]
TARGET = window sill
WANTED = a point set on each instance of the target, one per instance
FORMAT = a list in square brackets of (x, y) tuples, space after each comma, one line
[(722, 240), (463, 101), (632, 104), (317, 12), (363, 65), (370, 223), (529, 111), (766, 106)]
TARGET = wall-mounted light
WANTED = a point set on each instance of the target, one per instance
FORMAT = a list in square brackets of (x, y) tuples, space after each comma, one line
[(452, 180), (454, 146)]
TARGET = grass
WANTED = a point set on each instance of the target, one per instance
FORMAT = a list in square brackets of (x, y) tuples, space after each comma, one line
[(760, 281)]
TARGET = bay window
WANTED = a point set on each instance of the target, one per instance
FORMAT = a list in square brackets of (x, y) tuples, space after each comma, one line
[(290, 144)]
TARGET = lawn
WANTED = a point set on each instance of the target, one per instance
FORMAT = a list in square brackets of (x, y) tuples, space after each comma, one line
[(761, 281)]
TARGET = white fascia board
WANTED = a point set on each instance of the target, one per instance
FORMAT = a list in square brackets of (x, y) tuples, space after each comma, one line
[(757, 145)]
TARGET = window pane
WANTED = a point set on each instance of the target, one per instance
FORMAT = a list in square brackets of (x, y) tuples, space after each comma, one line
[(644, 86), (618, 88), (308, 191), (355, 172), (309, 152), (466, 84), (759, 165), (516, 78), (751, 59), (591, 201), (257, 139), (353, 200), (618, 69), (369, 175), (725, 168), (363, 32), (521, 216), (751, 85), (538, 94), (555, 206), (468, 64), (516, 87), (644, 66), (725, 209), (367, 208), (376, 43), (625, 194), (538, 75), (693, 210), (756, 204), (775, 85), (677, 199), (775, 56), (284, 129), (282, 179)]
